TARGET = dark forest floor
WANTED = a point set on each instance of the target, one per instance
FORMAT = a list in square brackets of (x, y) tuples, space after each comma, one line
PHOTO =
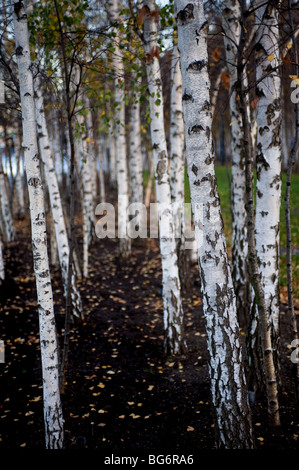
[(122, 392)]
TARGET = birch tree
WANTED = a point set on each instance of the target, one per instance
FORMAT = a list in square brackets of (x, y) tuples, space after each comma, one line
[(56, 203), (135, 145), (240, 271), (177, 163), (121, 154), (263, 336), (172, 303), (7, 217), (268, 162), (228, 384), (48, 340)]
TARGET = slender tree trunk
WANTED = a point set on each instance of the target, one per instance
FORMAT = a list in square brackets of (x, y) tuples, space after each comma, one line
[(135, 148), (56, 203), (177, 166), (121, 153), (264, 332), (112, 156), (173, 311), (268, 165), (100, 168), (48, 340), (149, 186), (240, 270), (228, 385), (92, 156), (19, 178), (9, 229)]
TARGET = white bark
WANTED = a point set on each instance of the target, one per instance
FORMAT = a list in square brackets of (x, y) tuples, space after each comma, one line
[(19, 179), (92, 157), (228, 386), (100, 169), (48, 340), (173, 311), (57, 150), (86, 197), (177, 141), (112, 155), (56, 203), (121, 152), (135, 148), (10, 233), (240, 271), (268, 188)]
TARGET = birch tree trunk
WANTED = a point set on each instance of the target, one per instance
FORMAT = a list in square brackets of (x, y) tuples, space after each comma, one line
[(173, 311), (100, 167), (48, 340), (57, 150), (177, 165), (19, 179), (112, 155), (56, 204), (268, 163), (2, 264), (92, 156), (264, 330), (135, 147), (228, 385), (121, 153), (240, 271)]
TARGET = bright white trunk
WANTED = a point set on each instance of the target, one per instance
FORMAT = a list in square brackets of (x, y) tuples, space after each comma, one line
[(100, 162), (173, 311), (121, 152), (135, 148), (19, 179), (112, 155), (56, 204), (228, 387), (57, 150), (177, 141), (7, 217), (85, 171), (92, 157), (86, 197), (240, 272), (268, 188), (48, 339)]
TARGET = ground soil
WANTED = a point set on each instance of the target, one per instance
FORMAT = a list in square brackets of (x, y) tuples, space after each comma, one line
[(122, 392)]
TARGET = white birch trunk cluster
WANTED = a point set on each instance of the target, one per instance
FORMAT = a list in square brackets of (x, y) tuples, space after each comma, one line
[(56, 203), (240, 272), (48, 340), (228, 385), (173, 312)]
